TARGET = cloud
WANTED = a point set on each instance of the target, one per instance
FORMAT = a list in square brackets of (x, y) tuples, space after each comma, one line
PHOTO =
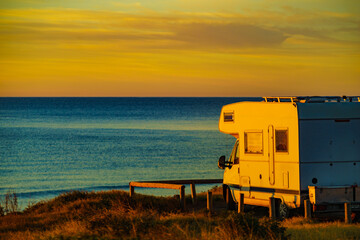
[(204, 31), (127, 5), (103, 26), (233, 35)]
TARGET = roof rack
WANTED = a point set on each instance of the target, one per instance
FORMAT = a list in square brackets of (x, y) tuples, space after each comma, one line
[(280, 99), (354, 98), (313, 99)]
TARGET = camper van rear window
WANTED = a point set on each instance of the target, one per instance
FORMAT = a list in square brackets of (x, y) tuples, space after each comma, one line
[(228, 116), (281, 139), (253, 142)]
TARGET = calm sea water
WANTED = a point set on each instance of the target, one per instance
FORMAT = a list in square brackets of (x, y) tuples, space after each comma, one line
[(53, 145)]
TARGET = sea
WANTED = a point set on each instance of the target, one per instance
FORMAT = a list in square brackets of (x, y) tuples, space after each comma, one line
[(49, 146)]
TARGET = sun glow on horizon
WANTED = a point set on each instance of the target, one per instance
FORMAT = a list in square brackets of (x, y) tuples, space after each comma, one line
[(179, 48)]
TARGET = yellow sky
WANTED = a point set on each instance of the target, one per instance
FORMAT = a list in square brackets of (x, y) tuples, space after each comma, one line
[(179, 47)]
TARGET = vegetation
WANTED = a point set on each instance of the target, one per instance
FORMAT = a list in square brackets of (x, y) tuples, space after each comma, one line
[(299, 228), (114, 215), (9, 204)]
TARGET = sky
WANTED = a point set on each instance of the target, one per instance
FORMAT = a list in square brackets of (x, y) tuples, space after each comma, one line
[(145, 48)]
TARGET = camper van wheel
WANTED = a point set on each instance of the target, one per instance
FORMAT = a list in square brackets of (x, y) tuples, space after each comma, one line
[(284, 211)]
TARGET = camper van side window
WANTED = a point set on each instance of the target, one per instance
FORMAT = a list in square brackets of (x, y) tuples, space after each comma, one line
[(228, 116), (281, 139), (253, 142)]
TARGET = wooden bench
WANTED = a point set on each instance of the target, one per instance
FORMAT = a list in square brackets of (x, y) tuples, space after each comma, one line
[(174, 184)]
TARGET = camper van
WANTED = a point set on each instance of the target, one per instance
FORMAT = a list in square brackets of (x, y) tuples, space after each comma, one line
[(292, 149)]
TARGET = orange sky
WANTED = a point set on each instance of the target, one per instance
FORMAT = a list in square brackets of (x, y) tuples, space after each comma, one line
[(179, 48)]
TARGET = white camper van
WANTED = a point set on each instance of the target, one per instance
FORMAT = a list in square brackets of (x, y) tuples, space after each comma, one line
[(287, 147)]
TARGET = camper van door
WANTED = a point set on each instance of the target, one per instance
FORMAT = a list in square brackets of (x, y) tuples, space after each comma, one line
[(271, 155)]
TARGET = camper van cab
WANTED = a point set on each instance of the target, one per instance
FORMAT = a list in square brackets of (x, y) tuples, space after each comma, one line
[(290, 147)]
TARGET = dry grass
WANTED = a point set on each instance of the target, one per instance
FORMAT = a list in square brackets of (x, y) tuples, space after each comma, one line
[(114, 215), (301, 228)]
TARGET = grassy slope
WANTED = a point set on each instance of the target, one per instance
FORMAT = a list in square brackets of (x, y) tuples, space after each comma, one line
[(299, 228), (113, 215)]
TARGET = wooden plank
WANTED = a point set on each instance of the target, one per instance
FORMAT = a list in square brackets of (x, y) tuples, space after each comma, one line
[(187, 181), (241, 203), (182, 198), (307, 208), (174, 184), (228, 198), (155, 185), (209, 202), (347, 208), (131, 190), (193, 193), (272, 208)]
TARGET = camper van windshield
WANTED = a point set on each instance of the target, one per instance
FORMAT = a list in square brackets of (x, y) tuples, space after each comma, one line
[(235, 154)]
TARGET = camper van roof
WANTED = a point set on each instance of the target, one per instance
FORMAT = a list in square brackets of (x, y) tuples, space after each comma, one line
[(313, 99)]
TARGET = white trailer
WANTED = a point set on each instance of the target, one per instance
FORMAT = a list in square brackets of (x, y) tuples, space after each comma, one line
[(288, 145)]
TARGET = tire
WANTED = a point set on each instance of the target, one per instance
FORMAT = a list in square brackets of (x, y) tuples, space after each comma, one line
[(284, 211)]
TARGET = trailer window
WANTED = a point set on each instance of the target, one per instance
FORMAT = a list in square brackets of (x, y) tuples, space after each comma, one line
[(281, 137), (228, 116), (253, 142)]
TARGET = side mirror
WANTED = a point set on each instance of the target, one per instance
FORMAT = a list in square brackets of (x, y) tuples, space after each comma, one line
[(221, 163)]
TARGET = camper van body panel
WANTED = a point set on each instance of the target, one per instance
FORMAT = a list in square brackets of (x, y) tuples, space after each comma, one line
[(263, 170), (325, 174), (333, 195), (329, 143), (329, 110)]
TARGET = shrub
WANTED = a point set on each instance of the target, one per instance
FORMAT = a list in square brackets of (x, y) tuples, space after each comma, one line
[(114, 215), (9, 204), (246, 226)]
